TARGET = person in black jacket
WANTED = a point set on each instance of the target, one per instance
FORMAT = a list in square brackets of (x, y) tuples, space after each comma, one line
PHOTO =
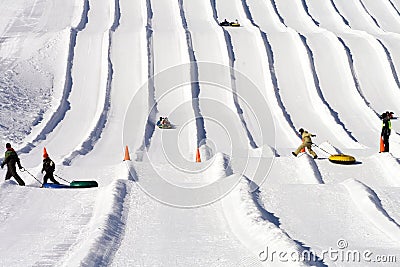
[(11, 159), (386, 130), (49, 167)]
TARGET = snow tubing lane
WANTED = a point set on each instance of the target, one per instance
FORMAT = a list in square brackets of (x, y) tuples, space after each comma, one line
[(83, 184), (50, 185), (342, 159)]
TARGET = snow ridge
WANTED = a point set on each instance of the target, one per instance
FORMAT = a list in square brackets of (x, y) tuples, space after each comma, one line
[(95, 135), (117, 16), (232, 59), (274, 79), (308, 13), (333, 113), (390, 166), (338, 12), (257, 228), (214, 9), (369, 203), (152, 103), (354, 74), (231, 55), (64, 106), (106, 228), (271, 63), (308, 170), (369, 14), (390, 60), (394, 7), (194, 76), (277, 12)]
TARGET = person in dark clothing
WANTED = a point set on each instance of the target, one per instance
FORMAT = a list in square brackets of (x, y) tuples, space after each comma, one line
[(11, 159), (386, 129), (160, 122), (224, 23), (49, 167)]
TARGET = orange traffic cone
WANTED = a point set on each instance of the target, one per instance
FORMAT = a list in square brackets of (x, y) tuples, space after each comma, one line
[(198, 159), (45, 155), (382, 145), (127, 157)]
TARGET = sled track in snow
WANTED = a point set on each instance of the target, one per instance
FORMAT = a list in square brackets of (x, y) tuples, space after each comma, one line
[(303, 2), (394, 7), (194, 76), (368, 202), (369, 14), (303, 36), (106, 227), (345, 21), (343, 40), (232, 59), (107, 222), (96, 133), (333, 113), (380, 39), (390, 60), (255, 225), (354, 74), (231, 56), (152, 102), (239, 110), (271, 64), (64, 106)]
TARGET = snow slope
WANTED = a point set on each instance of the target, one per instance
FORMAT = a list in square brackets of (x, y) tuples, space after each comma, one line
[(86, 78)]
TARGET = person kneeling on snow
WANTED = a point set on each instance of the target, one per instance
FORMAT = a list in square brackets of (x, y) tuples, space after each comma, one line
[(306, 137), (49, 167)]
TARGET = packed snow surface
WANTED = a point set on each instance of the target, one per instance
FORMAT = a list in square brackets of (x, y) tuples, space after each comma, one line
[(88, 80)]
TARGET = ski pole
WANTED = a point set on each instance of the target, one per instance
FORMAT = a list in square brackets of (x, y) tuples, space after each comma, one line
[(25, 170), (323, 149), (62, 178)]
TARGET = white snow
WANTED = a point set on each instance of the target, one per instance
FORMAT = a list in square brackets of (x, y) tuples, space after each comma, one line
[(86, 78)]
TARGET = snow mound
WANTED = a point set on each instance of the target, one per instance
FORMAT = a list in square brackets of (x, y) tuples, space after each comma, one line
[(369, 203), (254, 226), (106, 228)]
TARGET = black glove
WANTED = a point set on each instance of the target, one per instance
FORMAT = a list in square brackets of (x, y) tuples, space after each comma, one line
[(313, 135)]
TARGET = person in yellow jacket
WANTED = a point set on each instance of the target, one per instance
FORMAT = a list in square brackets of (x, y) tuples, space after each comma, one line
[(306, 137)]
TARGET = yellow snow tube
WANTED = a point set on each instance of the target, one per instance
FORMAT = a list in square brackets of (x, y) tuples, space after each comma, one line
[(342, 159), (235, 24)]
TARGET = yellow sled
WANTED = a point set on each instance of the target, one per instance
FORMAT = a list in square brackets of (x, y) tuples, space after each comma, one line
[(342, 159)]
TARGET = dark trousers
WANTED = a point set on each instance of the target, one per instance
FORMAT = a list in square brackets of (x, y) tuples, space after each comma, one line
[(49, 175), (12, 172), (386, 142)]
